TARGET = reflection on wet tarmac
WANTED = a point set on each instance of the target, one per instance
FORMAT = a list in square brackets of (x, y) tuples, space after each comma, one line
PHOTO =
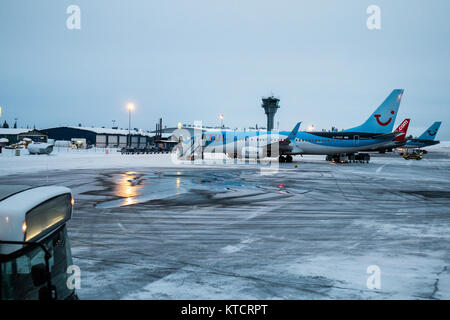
[(127, 187), (134, 188)]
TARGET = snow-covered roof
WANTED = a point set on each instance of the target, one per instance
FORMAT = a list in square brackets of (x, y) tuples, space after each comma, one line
[(14, 131), (166, 135), (112, 131)]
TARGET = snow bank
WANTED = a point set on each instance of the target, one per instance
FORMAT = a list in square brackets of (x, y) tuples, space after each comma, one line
[(96, 158), (109, 158), (65, 159), (444, 146)]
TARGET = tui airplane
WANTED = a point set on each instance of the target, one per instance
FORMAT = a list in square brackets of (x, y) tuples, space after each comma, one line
[(426, 139), (374, 133)]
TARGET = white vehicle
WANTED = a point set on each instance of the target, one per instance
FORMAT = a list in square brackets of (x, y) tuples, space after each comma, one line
[(34, 247), (40, 148)]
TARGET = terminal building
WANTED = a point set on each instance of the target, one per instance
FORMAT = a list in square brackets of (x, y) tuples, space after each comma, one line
[(101, 137)]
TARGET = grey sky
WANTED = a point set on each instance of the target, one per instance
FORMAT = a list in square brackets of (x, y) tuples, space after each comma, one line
[(192, 60)]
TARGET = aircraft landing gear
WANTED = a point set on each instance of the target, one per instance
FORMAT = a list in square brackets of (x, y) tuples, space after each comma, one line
[(287, 159), (363, 157), (348, 158)]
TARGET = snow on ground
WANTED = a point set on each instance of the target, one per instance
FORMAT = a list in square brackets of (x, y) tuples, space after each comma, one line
[(443, 146), (145, 227), (95, 158), (102, 158), (65, 159)]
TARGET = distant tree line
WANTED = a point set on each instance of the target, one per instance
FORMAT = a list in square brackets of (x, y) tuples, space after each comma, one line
[(6, 125)]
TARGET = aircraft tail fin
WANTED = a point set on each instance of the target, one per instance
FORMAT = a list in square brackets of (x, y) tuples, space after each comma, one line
[(431, 132), (403, 128), (293, 133), (383, 119)]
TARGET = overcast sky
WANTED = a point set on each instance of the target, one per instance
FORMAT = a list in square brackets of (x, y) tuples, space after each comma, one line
[(193, 60)]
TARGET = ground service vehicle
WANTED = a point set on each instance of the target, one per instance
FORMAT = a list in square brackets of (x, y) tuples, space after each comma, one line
[(412, 155), (34, 247)]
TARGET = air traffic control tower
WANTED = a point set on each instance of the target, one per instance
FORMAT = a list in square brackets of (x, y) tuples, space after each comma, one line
[(270, 106)]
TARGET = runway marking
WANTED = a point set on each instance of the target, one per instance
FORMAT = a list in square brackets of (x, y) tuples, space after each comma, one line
[(354, 246), (381, 168), (238, 247)]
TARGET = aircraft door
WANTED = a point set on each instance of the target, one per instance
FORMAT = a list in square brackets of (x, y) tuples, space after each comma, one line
[(356, 140)]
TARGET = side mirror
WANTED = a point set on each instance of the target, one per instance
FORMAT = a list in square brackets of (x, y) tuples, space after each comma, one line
[(39, 274)]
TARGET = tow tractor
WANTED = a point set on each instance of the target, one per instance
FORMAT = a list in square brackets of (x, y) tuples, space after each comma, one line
[(34, 247), (347, 158), (414, 155)]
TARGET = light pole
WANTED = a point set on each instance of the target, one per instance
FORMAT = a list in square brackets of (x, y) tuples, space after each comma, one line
[(221, 120), (130, 108)]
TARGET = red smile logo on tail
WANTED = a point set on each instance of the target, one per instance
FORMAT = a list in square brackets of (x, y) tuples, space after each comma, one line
[(377, 116), (432, 134)]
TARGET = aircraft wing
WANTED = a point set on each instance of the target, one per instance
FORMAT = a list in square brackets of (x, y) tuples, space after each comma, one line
[(385, 136), (284, 146)]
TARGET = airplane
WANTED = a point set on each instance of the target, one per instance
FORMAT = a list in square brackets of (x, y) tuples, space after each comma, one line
[(399, 141), (426, 139), (342, 146)]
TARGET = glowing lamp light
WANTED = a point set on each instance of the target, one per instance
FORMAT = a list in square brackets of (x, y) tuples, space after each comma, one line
[(130, 106), (221, 116), (24, 227), (72, 201), (179, 125)]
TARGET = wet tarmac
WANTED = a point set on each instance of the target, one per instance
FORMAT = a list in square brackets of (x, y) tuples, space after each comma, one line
[(231, 233)]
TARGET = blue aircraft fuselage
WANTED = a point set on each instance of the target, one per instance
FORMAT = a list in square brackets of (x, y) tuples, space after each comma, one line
[(325, 143)]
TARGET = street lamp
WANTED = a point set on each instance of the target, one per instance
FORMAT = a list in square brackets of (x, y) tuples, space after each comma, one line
[(221, 120), (130, 107)]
